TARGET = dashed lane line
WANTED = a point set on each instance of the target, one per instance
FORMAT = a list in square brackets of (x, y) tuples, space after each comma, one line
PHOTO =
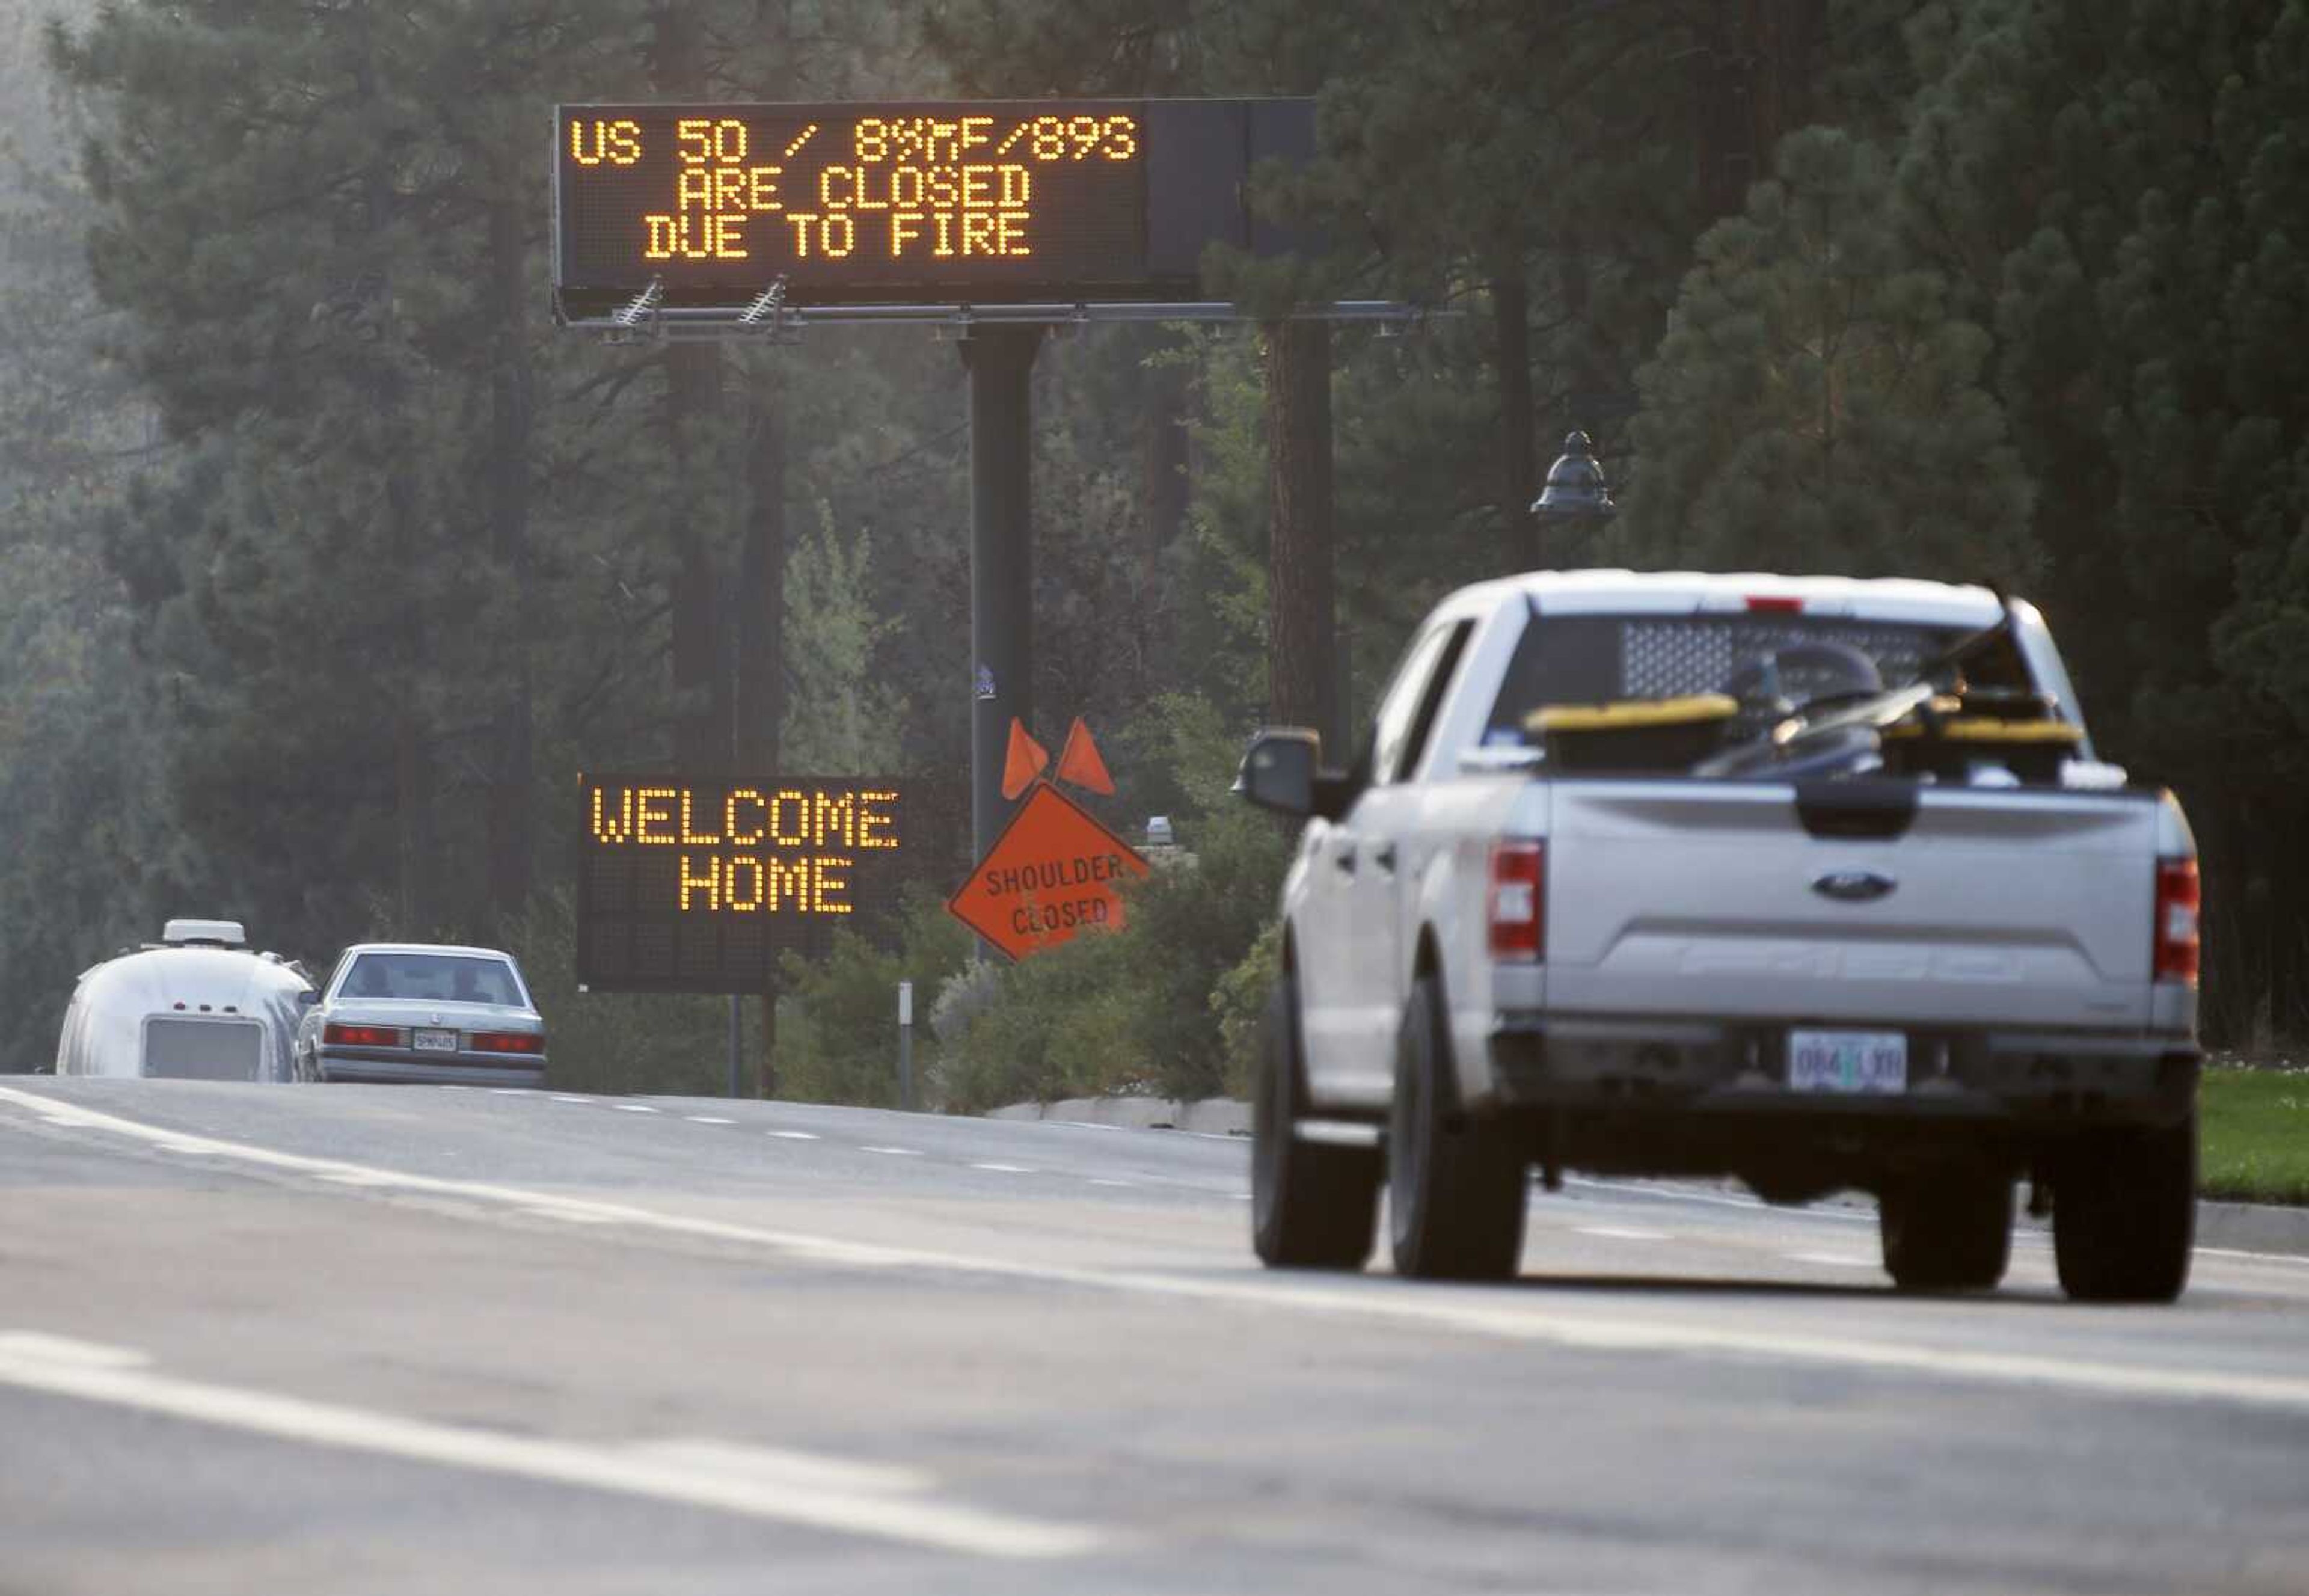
[(790, 1488), (894, 1152), (708, 1119), (1620, 1233), (1004, 1168), (794, 1135), (1498, 1314)]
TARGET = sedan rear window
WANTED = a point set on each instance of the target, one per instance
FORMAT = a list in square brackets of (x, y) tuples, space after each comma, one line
[(436, 977)]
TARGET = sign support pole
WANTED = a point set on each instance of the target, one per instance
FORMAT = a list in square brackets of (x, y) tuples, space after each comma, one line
[(1001, 362)]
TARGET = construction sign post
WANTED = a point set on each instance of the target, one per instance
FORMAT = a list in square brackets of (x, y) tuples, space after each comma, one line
[(1053, 873)]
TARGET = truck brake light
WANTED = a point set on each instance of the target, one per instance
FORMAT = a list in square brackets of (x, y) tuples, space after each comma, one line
[(1518, 900), (2179, 897)]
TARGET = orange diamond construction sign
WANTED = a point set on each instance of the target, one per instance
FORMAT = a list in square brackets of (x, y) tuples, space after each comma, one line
[(1053, 873)]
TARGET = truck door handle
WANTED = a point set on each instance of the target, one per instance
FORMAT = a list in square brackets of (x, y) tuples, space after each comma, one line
[(1383, 856)]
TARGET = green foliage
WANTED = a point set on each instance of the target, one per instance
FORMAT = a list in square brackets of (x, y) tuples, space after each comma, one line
[(2255, 1129), (325, 560), (1815, 406), (1129, 1012), (838, 1019)]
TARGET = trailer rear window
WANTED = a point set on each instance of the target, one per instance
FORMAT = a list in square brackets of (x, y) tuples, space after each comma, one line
[(204, 1049)]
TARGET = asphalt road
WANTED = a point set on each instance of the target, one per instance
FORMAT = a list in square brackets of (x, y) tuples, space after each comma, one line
[(347, 1340)]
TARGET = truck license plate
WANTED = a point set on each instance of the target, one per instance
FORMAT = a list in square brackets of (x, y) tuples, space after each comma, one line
[(436, 1041), (1858, 1061)]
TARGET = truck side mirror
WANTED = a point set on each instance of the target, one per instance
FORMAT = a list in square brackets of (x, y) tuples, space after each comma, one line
[(308, 998), (1281, 770)]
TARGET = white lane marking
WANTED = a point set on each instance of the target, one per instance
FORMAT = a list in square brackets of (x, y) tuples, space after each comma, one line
[(1620, 1233), (894, 1152), (1082, 1124), (2293, 1259), (1835, 1259), (1498, 1314), (794, 1135), (1095, 1181), (633, 1108), (509, 1091), (559, 1097), (786, 1487), (1003, 1169), (708, 1119)]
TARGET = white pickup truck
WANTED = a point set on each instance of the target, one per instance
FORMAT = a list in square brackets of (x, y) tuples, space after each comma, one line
[(1814, 882)]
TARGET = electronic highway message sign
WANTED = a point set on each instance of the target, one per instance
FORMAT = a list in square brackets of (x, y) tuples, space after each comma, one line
[(702, 885), (975, 202)]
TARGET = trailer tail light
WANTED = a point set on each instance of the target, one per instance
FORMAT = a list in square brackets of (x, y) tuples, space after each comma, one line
[(360, 1036), (507, 1042), (1518, 900), (1767, 603), (2179, 897)]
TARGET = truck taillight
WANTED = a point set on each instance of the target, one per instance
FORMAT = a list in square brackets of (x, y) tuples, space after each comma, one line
[(360, 1036), (508, 1042), (1518, 900), (2178, 899)]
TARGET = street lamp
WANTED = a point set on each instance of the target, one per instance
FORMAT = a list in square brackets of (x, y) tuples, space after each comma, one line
[(1576, 492)]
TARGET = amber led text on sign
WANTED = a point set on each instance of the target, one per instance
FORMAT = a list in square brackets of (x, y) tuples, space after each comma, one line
[(699, 886)]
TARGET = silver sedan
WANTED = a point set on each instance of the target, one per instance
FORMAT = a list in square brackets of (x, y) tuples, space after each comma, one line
[(416, 1012)]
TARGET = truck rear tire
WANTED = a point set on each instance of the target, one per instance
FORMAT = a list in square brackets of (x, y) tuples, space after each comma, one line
[(1456, 1187), (2124, 1214), (1312, 1206), (1947, 1230)]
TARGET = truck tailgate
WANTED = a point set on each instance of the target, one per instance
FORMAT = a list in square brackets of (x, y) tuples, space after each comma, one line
[(2028, 907)]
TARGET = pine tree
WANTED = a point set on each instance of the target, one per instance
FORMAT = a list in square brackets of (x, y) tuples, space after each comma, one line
[(1815, 406)]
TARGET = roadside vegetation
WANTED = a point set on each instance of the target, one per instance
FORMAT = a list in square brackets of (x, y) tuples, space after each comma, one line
[(2256, 1136), (327, 560)]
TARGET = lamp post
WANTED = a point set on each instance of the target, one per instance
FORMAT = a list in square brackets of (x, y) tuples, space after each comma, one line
[(1576, 493)]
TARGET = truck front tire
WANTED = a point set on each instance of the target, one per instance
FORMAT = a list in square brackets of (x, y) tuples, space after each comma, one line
[(1455, 1186), (2124, 1214), (1312, 1205)]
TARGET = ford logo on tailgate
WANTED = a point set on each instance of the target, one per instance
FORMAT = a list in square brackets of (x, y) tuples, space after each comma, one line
[(1854, 886)]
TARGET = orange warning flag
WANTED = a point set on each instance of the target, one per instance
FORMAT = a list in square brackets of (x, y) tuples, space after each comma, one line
[(1079, 762), (1026, 759)]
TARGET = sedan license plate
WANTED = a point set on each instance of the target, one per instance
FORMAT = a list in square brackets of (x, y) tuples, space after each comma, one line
[(1861, 1062), (435, 1041)]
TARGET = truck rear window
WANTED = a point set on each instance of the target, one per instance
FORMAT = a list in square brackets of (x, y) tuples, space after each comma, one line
[(1768, 663)]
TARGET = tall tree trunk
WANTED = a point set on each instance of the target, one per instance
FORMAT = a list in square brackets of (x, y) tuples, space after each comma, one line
[(1165, 494), (512, 414), (761, 686), (1302, 688), (701, 686), (1519, 463)]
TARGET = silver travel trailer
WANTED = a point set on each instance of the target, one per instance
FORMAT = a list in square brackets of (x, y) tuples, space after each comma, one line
[(196, 1005)]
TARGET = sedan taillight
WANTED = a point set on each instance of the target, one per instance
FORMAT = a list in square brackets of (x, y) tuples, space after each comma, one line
[(360, 1036), (1518, 900), (2179, 898), (507, 1042)]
